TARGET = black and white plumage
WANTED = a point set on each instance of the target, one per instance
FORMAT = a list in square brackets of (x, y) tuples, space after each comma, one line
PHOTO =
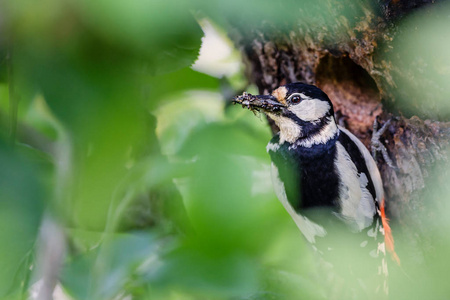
[(318, 164)]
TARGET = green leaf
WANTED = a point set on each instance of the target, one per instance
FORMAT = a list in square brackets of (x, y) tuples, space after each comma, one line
[(175, 84), (163, 33), (104, 272), (419, 64), (21, 206)]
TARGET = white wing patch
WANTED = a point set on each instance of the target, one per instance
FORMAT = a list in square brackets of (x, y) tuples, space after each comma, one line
[(371, 165), (356, 202), (308, 228)]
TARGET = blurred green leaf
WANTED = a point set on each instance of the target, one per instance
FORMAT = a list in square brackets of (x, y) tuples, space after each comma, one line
[(4, 105), (39, 117), (162, 31), (103, 273), (21, 206), (195, 269), (420, 65), (424, 243), (3, 60), (90, 66), (315, 17), (119, 35), (182, 114), (92, 63), (218, 139), (177, 83)]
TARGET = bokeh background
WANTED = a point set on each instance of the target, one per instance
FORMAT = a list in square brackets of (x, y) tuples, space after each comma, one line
[(126, 173)]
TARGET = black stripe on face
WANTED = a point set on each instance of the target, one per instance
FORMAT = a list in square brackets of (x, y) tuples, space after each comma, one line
[(310, 128), (358, 159)]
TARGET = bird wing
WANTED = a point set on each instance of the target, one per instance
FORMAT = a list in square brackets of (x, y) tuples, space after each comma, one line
[(356, 192), (370, 163), (379, 193)]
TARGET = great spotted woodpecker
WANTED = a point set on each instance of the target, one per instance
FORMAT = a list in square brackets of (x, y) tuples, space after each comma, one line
[(317, 164)]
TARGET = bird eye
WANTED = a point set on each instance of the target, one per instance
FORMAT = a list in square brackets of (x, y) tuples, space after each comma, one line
[(296, 99)]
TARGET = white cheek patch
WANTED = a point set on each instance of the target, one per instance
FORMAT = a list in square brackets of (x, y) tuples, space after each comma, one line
[(309, 110), (289, 130)]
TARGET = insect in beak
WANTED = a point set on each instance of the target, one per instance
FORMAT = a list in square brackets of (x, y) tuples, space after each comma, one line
[(266, 103)]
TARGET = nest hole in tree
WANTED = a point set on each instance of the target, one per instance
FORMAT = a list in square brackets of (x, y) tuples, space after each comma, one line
[(355, 96)]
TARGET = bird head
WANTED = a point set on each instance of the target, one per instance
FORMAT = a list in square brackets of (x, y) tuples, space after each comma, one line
[(303, 112)]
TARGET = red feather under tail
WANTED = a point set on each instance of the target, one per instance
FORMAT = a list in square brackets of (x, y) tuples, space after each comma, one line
[(388, 238)]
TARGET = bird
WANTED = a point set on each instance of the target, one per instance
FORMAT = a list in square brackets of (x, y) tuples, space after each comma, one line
[(323, 174)]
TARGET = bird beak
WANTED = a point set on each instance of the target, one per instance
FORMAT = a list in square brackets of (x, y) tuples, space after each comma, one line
[(266, 103)]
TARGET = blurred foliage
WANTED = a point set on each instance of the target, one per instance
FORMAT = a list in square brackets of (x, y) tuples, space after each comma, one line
[(163, 191), (424, 258), (21, 204), (420, 64), (85, 79), (314, 17)]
